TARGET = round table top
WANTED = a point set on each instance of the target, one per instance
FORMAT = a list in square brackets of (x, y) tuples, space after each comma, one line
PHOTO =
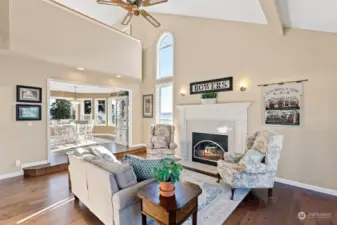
[(184, 193)]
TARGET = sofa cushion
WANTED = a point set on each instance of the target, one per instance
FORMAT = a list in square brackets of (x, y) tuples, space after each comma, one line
[(159, 142), (123, 173), (142, 167), (103, 152), (251, 156)]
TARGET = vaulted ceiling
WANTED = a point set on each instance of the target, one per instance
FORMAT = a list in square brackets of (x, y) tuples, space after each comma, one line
[(319, 15)]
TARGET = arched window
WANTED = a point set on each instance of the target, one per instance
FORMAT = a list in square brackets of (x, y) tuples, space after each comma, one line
[(164, 84), (165, 59)]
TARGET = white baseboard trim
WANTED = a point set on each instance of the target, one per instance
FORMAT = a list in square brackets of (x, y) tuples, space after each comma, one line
[(102, 134), (10, 175), (307, 186), (23, 165)]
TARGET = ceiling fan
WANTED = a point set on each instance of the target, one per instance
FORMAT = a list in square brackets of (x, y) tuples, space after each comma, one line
[(135, 7)]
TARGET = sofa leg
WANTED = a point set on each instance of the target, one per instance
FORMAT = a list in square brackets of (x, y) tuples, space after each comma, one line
[(270, 193), (219, 178), (233, 192)]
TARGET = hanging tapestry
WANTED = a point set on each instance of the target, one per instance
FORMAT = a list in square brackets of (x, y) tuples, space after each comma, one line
[(282, 104)]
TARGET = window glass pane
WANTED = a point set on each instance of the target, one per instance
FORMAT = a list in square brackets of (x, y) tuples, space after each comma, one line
[(62, 109), (87, 106), (165, 107), (101, 115), (112, 112), (165, 62)]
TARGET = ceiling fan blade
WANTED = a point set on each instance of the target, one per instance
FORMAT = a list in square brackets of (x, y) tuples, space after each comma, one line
[(149, 18), (127, 18), (152, 2), (115, 3)]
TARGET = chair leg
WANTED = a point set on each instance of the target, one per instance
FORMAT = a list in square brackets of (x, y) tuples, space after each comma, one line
[(233, 192), (270, 192), (219, 178)]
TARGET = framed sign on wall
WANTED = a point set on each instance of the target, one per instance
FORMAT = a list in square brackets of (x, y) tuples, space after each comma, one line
[(216, 85)]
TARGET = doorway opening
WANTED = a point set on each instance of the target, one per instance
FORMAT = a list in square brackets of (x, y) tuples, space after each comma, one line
[(80, 115)]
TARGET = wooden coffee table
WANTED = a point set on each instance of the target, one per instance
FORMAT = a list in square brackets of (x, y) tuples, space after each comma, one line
[(170, 210)]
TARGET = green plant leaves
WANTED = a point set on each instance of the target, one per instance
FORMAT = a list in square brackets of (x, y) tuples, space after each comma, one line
[(168, 170), (209, 95)]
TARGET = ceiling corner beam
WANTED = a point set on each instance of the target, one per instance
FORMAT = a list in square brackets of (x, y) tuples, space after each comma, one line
[(273, 15)]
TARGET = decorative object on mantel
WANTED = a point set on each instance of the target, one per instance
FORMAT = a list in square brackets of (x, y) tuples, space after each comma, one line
[(209, 98), (148, 106), (167, 174), (28, 112), (217, 85), (282, 103), (28, 94)]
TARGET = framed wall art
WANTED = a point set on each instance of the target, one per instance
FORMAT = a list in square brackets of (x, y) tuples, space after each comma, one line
[(282, 104), (28, 112), (28, 94), (148, 106)]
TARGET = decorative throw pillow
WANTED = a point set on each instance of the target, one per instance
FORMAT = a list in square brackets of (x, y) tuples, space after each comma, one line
[(142, 167), (103, 152), (251, 156), (123, 173), (261, 141), (159, 142)]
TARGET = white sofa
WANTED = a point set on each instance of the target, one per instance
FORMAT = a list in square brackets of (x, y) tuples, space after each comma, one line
[(98, 190)]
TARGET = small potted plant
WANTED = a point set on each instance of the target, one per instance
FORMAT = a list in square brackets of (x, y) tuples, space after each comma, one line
[(209, 98), (167, 174)]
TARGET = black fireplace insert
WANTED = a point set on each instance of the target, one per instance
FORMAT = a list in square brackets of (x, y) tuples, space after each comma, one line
[(208, 148)]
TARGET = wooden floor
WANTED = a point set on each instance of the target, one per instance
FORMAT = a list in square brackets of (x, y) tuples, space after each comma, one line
[(20, 198)]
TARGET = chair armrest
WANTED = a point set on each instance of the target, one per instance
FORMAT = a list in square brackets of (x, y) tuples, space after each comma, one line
[(173, 146), (234, 167), (232, 157), (128, 196), (257, 168)]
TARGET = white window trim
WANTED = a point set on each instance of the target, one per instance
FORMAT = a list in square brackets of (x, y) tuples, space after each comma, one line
[(161, 38), (82, 107), (69, 99), (158, 100), (109, 112), (96, 111)]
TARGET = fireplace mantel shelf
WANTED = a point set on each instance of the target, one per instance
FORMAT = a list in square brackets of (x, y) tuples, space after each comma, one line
[(218, 105)]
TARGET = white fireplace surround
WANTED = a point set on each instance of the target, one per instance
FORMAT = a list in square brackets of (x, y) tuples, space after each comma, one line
[(210, 116)]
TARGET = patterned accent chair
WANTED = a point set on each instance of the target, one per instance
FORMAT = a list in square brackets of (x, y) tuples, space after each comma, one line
[(253, 175), (161, 143)]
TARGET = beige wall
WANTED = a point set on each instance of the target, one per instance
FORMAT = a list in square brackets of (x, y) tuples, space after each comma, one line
[(97, 129), (207, 49), (4, 24), (45, 30), (29, 144)]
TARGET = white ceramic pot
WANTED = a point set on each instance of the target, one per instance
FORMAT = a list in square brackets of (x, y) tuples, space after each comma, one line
[(208, 101)]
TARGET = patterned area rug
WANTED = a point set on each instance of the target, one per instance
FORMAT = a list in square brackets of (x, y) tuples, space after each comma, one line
[(215, 205)]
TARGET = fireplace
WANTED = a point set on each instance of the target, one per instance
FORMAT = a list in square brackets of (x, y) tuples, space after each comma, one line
[(208, 148)]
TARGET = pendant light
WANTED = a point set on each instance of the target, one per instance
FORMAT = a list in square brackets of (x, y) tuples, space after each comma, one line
[(75, 101)]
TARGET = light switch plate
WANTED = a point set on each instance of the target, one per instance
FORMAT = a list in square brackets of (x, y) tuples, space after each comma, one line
[(30, 124)]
